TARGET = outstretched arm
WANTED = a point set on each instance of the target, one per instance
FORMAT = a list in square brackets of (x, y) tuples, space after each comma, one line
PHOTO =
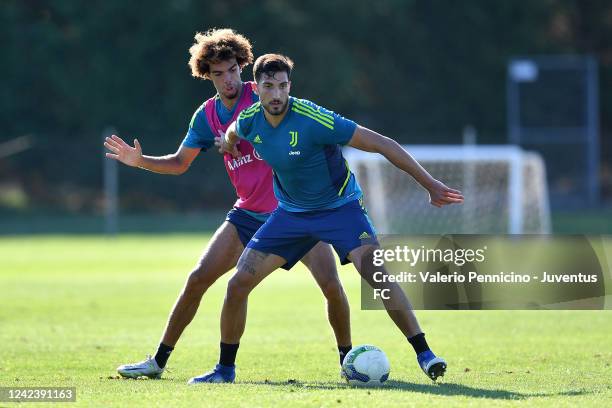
[(370, 141), (176, 163)]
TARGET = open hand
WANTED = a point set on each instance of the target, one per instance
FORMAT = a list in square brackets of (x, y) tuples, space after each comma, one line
[(440, 194), (122, 151)]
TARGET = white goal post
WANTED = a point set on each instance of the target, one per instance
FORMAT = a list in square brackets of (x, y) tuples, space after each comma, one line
[(504, 187)]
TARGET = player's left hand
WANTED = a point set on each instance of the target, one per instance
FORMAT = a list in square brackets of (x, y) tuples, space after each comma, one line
[(440, 194)]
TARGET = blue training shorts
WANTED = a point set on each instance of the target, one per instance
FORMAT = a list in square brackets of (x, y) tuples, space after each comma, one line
[(292, 234), (245, 224)]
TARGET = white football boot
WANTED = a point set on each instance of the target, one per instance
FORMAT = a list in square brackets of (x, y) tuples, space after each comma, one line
[(146, 368)]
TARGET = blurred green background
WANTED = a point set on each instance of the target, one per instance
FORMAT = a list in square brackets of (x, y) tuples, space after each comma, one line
[(418, 71)]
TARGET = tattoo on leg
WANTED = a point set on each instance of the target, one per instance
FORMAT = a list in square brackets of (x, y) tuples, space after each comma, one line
[(250, 260)]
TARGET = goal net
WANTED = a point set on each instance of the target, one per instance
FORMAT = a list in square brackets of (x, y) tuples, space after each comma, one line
[(504, 187)]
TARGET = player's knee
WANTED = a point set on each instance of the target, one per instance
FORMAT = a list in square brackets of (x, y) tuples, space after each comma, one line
[(332, 290), (238, 288), (198, 281)]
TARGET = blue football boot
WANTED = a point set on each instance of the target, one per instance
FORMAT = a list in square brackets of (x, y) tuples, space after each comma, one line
[(431, 365), (220, 374)]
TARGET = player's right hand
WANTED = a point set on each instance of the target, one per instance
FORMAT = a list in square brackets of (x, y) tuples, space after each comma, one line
[(122, 151)]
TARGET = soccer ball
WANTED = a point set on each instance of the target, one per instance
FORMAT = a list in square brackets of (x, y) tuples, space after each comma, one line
[(365, 365)]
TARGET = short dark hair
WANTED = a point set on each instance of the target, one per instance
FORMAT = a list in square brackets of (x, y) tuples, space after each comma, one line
[(217, 45), (270, 64)]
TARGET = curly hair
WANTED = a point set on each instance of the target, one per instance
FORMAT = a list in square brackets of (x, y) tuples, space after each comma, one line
[(216, 45)]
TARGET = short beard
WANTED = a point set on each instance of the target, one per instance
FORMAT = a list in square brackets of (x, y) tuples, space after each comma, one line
[(279, 112)]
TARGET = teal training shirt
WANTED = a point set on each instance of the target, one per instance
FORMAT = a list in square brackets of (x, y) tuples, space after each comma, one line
[(304, 151)]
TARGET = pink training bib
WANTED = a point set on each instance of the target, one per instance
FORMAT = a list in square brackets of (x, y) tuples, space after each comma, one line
[(250, 175)]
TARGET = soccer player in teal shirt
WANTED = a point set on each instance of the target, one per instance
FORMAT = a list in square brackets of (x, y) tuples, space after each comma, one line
[(319, 200)]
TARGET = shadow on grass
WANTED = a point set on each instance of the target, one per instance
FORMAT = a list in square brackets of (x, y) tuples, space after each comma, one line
[(443, 389)]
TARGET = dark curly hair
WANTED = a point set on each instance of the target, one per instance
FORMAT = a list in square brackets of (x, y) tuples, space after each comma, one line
[(216, 45)]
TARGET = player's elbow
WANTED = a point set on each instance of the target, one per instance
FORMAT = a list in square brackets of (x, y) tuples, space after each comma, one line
[(181, 170), (387, 146), (180, 167)]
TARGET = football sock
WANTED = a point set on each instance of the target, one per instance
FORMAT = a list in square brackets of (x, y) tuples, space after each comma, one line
[(228, 354), (343, 351), (163, 354), (419, 343)]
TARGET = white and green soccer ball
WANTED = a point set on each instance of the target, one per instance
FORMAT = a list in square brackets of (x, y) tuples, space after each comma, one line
[(365, 365)]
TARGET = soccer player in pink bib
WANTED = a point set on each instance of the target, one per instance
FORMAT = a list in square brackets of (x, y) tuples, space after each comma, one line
[(219, 55)]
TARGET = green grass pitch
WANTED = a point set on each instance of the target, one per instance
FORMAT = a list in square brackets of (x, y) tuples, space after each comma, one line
[(73, 308)]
